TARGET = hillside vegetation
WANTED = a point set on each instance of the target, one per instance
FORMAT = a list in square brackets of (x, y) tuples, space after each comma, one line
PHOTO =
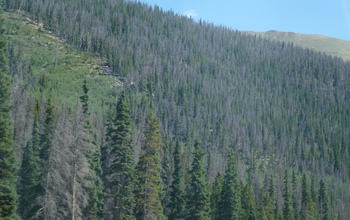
[(244, 127)]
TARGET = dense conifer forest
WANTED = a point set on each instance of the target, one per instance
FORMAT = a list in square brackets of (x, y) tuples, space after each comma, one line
[(137, 113)]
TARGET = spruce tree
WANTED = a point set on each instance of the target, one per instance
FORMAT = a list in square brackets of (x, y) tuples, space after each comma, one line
[(266, 206), (8, 166), (248, 203), (287, 200), (308, 209), (177, 195), (323, 202), (95, 208), (30, 174), (198, 195), (123, 181), (230, 205), (215, 197), (149, 169)]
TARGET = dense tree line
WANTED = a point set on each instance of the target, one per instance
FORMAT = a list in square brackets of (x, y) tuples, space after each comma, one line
[(272, 120)]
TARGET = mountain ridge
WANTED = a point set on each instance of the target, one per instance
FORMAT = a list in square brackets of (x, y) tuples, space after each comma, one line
[(321, 43)]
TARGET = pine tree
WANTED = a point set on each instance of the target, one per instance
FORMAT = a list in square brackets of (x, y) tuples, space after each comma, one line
[(149, 168), (95, 209), (230, 205), (8, 167), (198, 195), (30, 174), (323, 202), (177, 196), (266, 206), (215, 197), (308, 209), (122, 168), (287, 201), (45, 144), (248, 203)]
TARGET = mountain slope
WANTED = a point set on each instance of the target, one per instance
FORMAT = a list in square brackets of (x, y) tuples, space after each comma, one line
[(280, 107), (324, 44)]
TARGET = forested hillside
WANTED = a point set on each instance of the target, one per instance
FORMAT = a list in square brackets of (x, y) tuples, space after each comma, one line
[(243, 127)]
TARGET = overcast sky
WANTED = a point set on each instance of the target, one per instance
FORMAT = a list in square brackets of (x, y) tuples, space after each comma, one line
[(325, 17)]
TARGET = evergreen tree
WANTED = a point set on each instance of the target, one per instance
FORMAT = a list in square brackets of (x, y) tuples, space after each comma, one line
[(266, 206), (95, 209), (149, 168), (177, 195), (230, 205), (30, 174), (323, 202), (8, 167), (287, 201), (308, 209), (123, 164), (45, 143), (215, 197), (248, 203), (46, 136), (198, 206)]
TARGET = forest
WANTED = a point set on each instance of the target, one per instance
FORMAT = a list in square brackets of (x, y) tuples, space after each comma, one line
[(113, 109)]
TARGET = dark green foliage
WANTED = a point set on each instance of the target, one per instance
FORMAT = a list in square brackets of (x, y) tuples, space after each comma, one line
[(248, 203), (230, 204), (149, 168), (8, 165), (30, 175), (198, 202), (323, 202), (265, 206), (46, 136), (308, 207), (177, 194), (215, 197), (287, 200), (123, 163)]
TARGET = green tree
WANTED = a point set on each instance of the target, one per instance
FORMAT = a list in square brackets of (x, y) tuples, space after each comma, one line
[(230, 205), (266, 206), (323, 202), (30, 175), (198, 205), (95, 208), (215, 197), (123, 163), (287, 201), (149, 169), (308, 208), (248, 203), (8, 166), (177, 195)]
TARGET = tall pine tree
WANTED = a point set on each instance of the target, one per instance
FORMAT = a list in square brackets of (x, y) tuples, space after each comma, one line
[(30, 174), (123, 181), (287, 200), (149, 169), (198, 194), (215, 197), (177, 196), (8, 166), (248, 203), (230, 205), (323, 202), (95, 209)]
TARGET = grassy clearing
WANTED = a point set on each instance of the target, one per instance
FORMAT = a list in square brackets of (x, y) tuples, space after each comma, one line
[(63, 67)]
